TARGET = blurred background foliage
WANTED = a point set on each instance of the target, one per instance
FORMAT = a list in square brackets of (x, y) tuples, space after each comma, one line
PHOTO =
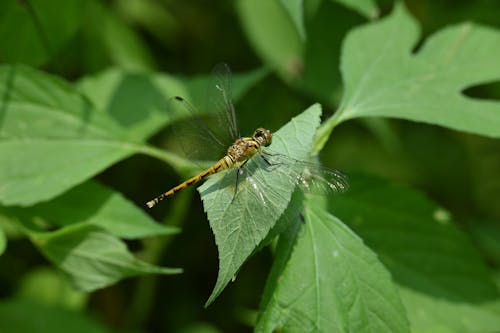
[(77, 39)]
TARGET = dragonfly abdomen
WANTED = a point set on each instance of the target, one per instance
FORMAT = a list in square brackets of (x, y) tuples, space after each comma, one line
[(224, 163)]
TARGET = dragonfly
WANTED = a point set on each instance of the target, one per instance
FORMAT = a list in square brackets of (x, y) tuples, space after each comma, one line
[(201, 138)]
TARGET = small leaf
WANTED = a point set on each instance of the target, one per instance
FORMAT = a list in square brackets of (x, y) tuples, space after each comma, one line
[(326, 280), (383, 78), (93, 258), (25, 316), (95, 204), (33, 31), (434, 261), (241, 222)]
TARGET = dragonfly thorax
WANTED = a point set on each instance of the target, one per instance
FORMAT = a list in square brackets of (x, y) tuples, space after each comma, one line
[(244, 148)]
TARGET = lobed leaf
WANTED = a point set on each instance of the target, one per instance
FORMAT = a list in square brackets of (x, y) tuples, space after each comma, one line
[(382, 78), (240, 222), (326, 280)]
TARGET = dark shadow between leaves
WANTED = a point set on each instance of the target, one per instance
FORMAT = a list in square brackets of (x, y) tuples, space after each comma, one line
[(77, 205), (487, 91), (7, 94)]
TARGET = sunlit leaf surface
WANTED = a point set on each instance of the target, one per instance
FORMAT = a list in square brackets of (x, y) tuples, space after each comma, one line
[(241, 222), (382, 77), (326, 280), (93, 258)]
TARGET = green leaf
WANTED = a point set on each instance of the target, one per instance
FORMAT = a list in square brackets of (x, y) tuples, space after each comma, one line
[(383, 78), (3, 241), (95, 204), (51, 138), (92, 258), (241, 222), (429, 314), (426, 254), (295, 9), (326, 280), (486, 234), (33, 31), (272, 35), (114, 41), (25, 316)]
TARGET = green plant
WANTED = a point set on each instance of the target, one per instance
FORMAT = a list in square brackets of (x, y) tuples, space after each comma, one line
[(381, 258)]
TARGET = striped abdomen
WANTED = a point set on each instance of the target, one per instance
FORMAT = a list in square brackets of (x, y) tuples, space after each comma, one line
[(224, 163)]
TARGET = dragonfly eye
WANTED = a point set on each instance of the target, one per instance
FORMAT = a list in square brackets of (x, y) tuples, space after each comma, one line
[(263, 136)]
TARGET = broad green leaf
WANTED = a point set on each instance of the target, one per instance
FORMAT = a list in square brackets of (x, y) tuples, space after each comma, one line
[(241, 222), (26, 316), (91, 257), (425, 253), (3, 241), (51, 138), (95, 204), (33, 31), (383, 78), (326, 280)]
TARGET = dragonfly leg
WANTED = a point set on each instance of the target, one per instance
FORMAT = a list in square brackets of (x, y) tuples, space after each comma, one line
[(268, 162), (238, 173)]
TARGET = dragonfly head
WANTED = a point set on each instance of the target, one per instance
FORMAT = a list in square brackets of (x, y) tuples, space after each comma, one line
[(263, 136)]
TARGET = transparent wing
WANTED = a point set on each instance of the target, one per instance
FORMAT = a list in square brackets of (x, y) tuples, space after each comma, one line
[(311, 177), (193, 132), (205, 133), (219, 103)]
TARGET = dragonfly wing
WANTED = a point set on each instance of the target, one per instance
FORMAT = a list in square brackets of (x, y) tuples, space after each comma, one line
[(311, 177), (192, 132), (206, 133), (219, 103)]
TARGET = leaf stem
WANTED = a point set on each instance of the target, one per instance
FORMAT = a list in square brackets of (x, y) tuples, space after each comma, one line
[(181, 164), (324, 131)]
